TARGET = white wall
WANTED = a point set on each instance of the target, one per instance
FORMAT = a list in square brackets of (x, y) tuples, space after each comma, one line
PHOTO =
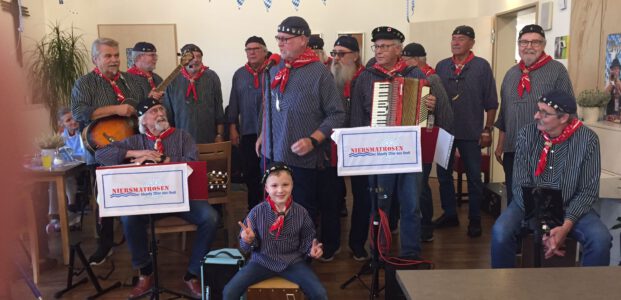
[(221, 29)]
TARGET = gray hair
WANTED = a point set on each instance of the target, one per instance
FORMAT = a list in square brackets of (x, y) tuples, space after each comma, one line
[(141, 127), (102, 41), (135, 54)]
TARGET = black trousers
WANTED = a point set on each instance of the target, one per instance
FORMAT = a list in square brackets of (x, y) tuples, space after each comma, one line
[(251, 169)]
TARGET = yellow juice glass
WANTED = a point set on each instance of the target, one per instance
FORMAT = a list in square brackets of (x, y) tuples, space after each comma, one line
[(47, 157)]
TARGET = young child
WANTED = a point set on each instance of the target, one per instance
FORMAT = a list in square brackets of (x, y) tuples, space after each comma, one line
[(73, 140), (280, 234)]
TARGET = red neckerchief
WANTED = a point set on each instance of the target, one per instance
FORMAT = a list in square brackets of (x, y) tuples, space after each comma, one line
[(460, 66), (192, 79), (255, 74), (280, 220), (328, 61), (567, 133), (428, 70), (159, 147), (283, 74), (347, 87), (525, 79), (148, 75), (119, 94), (397, 68)]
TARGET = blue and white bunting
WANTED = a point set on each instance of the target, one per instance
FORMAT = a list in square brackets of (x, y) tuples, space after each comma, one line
[(409, 9), (240, 3), (268, 4), (296, 4)]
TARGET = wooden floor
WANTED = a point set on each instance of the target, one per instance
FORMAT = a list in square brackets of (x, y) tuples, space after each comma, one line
[(451, 249)]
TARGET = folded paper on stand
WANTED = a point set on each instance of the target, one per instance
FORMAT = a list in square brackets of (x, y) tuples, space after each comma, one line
[(138, 190), (444, 144), (378, 150)]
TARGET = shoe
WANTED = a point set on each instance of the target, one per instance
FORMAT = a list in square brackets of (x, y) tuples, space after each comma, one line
[(100, 255), (474, 228), (144, 285), (446, 221), (426, 236), (327, 257), (194, 285), (360, 254)]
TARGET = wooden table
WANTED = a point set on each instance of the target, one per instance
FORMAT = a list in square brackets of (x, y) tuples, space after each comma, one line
[(58, 175), (545, 283)]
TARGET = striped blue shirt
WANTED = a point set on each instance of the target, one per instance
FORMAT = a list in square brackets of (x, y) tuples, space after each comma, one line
[(91, 92), (198, 117), (573, 167), (362, 93), (310, 102), (472, 93), (179, 146), (516, 112), (293, 244), (145, 81), (245, 101)]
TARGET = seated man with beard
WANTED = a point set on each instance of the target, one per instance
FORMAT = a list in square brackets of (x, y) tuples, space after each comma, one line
[(160, 143)]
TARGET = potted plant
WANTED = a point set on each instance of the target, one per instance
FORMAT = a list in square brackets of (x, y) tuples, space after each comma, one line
[(57, 61), (49, 145), (591, 101)]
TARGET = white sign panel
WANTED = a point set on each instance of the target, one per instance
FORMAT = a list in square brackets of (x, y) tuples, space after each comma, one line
[(378, 150), (139, 190)]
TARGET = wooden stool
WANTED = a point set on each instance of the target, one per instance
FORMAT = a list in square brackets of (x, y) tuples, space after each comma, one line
[(569, 260), (275, 288)]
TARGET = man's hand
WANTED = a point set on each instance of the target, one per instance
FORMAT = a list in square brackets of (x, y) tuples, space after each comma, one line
[(233, 135), (247, 234), (156, 95), (553, 242), (302, 147), (498, 153), (486, 139), (125, 110), (316, 250), (430, 102), (140, 156), (257, 145)]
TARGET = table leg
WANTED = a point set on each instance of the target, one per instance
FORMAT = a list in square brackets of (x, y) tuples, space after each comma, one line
[(62, 212)]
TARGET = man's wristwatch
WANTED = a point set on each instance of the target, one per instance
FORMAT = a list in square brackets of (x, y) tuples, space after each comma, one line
[(314, 141)]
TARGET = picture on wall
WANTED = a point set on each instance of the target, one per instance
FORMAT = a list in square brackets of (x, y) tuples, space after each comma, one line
[(611, 77), (561, 47), (130, 61), (359, 36)]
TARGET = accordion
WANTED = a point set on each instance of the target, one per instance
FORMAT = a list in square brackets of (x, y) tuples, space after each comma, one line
[(399, 102)]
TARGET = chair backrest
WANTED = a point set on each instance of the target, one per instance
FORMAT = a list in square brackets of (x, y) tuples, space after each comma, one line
[(218, 157)]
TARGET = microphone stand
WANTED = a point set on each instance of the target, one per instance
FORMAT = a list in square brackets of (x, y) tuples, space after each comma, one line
[(269, 109)]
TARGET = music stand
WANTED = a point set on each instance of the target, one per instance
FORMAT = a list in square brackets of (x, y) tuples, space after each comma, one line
[(374, 264), (545, 207)]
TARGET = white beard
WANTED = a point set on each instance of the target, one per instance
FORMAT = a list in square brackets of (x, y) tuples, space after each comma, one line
[(342, 74), (162, 124)]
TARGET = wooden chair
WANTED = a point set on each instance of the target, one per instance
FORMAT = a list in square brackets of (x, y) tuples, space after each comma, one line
[(218, 157)]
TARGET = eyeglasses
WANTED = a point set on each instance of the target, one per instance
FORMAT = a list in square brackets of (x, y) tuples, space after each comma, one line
[(546, 114), (284, 40), (534, 43), (384, 47), (248, 50), (339, 54), (151, 54)]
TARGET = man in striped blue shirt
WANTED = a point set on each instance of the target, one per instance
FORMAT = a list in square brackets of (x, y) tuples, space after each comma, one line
[(104, 92), (388, 44), (556, 152), (144, 56), (470, 84), (536, 74), (244, 105), (304, 107)]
